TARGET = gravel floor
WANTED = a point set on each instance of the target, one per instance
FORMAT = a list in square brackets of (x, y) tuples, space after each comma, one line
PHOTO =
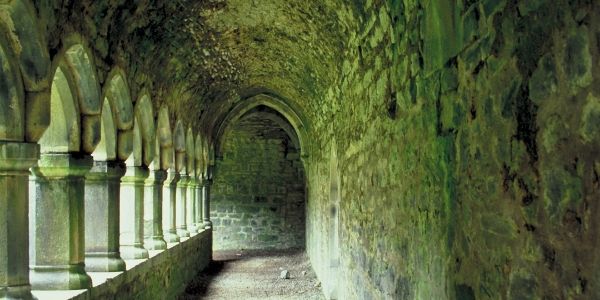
[(255, 275)]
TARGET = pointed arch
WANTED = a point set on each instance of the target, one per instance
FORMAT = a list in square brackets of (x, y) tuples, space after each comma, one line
[(199, 155), (164, 137), (116, 90), (107, 148), (63, 134), (275, 103), (179, 145), (191, 152), (145, 117)]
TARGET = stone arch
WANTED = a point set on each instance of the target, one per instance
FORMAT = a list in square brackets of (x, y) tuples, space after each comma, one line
[(75, 107), (12, 102), (164, 138), (275, 103), (116, 90), (191, 152), (107, 148), (179, 145), (199, 156), (63, 134), (136, 159), (145, 117)]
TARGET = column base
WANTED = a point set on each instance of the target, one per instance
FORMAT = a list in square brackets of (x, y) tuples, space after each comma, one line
[(183, 232), (172, 237), (72, 277), (207, 224), (104, 262), (192, 228), (133, 252), (16, 292), (199, 227), (155, 243)]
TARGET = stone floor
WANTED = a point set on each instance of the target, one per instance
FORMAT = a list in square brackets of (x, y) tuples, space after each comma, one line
[(255, 275)]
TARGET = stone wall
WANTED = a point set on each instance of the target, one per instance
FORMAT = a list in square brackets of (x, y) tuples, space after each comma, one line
[(258, 198), (457, 154), (163, 276)]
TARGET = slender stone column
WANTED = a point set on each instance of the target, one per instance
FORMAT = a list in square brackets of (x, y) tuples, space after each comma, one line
[(206, 203), (15, 161), (191, 205), (57, 220), (182, 205), (132, 213), (198, 202), (153, 199), (169, 208), (102, 194)]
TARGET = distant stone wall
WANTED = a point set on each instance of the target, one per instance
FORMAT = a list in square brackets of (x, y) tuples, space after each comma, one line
[(258, 198)]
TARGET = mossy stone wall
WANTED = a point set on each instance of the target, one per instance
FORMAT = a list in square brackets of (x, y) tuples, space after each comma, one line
[(465, 140)]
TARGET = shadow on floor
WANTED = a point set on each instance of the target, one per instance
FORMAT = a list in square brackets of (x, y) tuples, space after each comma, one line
[(222, 264)]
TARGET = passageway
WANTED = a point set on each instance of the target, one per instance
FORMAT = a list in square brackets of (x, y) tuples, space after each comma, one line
[(255, 274)]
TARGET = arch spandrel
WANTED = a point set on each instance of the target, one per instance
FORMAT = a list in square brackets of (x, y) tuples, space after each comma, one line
[(199, 155), (12, 104)]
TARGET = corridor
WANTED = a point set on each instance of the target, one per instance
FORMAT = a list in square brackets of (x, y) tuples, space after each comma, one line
[(255, 275)]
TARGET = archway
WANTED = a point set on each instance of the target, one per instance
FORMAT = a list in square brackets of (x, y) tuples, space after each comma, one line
[(258, 194)]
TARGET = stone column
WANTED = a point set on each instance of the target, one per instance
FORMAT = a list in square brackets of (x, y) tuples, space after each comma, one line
[(206, 203), (191, 205), (181, 206), (102, 194), (132, 213), (153, 198), (15, 161), (198, 202), (57, 220), (169, 207)]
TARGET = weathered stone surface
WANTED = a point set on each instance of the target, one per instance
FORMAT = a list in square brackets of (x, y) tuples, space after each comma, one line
[(12, 103), (90, 133), (37, 114)]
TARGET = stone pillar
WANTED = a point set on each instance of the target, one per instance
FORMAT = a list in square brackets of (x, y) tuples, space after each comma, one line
[(132, 213), (181, 206), (191, 205), (102, 194), (153, 198), (57, 220), (198, 203), (206, 203), (169, 207), (15, 161)]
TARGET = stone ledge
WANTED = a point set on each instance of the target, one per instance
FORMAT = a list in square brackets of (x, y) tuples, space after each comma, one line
[(163, 276)]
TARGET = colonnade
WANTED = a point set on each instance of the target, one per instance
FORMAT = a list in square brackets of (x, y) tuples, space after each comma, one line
[(89, 175)]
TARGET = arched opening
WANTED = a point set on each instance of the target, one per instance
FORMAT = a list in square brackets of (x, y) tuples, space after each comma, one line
[(258, 194), (63, 134)]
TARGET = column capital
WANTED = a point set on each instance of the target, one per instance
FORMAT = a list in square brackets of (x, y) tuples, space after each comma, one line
[(18, 156), (136, 174), (60, 165), (156, 177), (106, 170)]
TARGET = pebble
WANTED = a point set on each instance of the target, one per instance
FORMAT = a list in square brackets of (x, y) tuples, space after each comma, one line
[(285, 274)]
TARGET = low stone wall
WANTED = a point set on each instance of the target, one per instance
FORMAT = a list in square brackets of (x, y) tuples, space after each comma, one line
[(163, 276)]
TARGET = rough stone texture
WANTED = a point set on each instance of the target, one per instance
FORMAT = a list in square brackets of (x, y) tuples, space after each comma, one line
[(163, 276), (258, 198)]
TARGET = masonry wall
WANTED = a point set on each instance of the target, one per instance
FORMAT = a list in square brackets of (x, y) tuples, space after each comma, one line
[(258, 199), (464, 136)]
